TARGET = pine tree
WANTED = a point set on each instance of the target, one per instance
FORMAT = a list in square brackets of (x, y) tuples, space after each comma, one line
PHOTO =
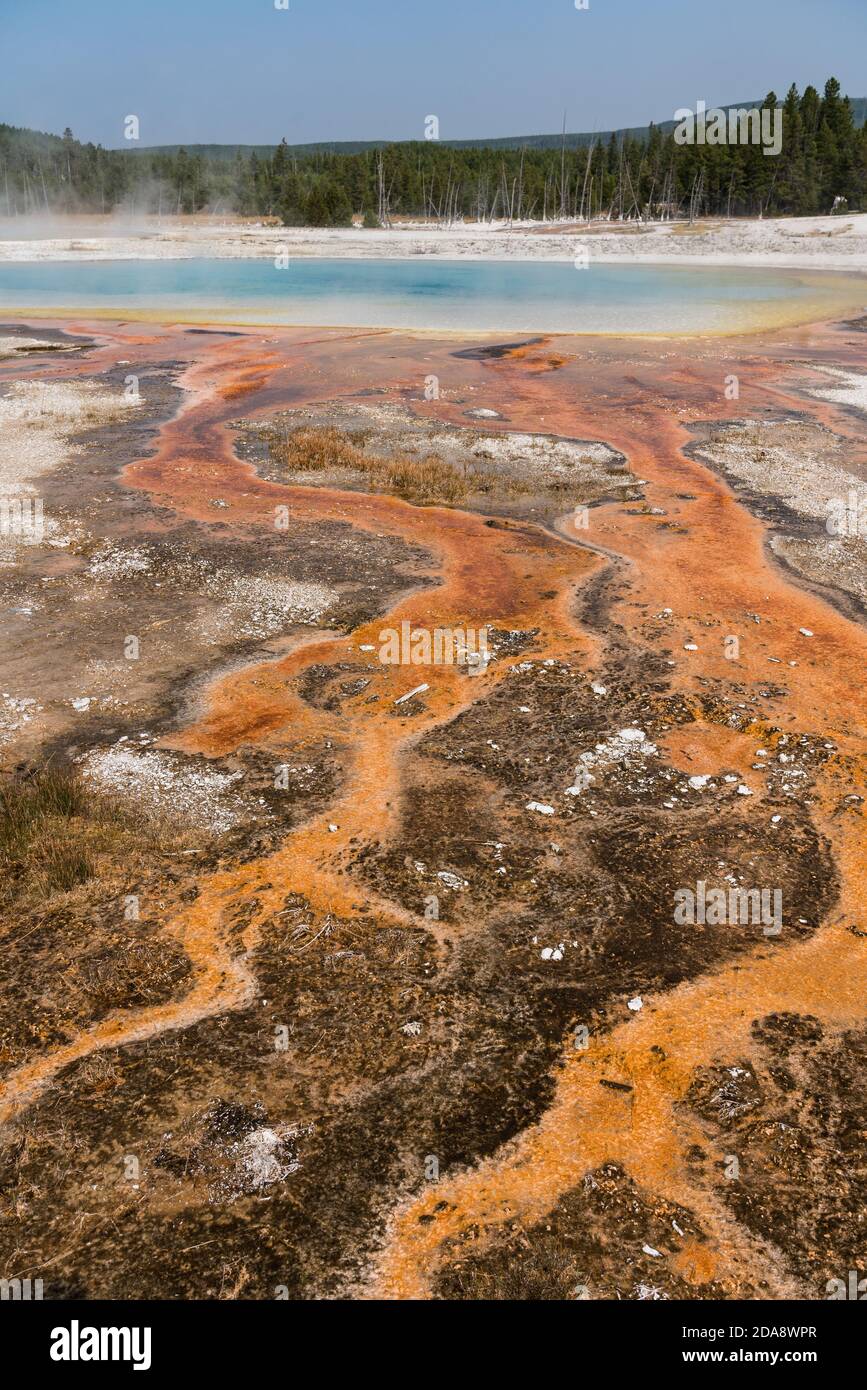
[(318, 211)]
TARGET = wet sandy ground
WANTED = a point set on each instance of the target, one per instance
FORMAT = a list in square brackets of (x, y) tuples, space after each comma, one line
[(691, 567)]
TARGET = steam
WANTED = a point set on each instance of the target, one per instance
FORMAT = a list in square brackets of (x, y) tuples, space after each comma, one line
[(151, 205)]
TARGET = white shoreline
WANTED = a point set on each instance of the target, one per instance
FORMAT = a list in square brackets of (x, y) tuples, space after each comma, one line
[(804, 243)]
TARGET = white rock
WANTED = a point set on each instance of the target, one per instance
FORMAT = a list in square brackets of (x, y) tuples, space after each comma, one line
[(260, 1157), (540, 807), (419, 690), (451, 880), (583, 779), (636, 1004)]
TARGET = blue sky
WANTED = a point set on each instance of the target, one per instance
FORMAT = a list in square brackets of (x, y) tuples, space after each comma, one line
[(241, 71)]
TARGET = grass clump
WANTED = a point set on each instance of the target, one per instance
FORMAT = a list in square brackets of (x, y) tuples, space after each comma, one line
[(54, 833), (426, 481), (429, 480)]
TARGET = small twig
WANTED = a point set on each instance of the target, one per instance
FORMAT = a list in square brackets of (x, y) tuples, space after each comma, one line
[(324, 929)]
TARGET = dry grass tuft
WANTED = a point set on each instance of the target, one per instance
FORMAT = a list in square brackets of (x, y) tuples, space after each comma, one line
[(426, 481), (55, 834)]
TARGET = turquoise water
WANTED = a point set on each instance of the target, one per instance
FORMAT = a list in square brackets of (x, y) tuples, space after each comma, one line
[(425, 294)]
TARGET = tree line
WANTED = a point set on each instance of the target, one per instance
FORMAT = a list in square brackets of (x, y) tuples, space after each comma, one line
[(822, 167)]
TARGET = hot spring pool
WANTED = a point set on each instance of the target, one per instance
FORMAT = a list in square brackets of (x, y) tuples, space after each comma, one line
[(451, 296)]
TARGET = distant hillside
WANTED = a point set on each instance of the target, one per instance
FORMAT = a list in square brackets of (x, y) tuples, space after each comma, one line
[(629, 174), (573, 140)]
